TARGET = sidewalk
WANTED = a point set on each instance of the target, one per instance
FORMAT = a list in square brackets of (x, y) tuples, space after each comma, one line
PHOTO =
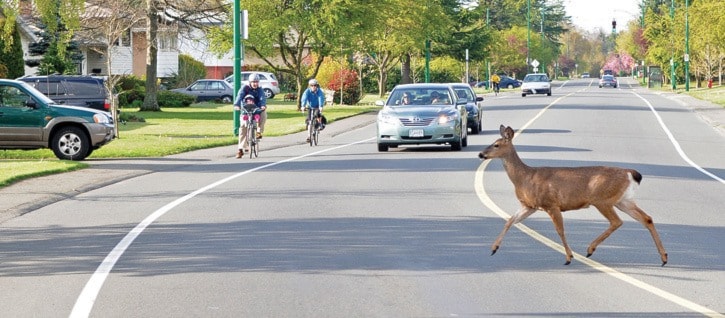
[(28, 195)]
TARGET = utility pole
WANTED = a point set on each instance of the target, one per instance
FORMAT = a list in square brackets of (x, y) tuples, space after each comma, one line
[(672, 60), (687, 48), (528, 34)]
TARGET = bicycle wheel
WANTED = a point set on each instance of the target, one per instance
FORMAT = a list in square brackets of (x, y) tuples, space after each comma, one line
[(316, 134), (255, 146), (310, 132), (251, 142)]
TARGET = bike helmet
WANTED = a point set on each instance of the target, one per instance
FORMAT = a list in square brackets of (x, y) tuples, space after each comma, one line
[(249, 99), (313, 82), (253, 78)]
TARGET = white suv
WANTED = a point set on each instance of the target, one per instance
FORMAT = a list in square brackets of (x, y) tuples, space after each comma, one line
[(267, 81)]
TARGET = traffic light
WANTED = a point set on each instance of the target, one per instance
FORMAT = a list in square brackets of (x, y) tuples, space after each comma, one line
[(614, 26)]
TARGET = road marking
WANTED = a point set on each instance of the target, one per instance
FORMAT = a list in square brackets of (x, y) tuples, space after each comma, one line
[(488, 202), (84, 302)]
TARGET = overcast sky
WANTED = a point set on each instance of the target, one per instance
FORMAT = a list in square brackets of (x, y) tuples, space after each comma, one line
[(591, 15)]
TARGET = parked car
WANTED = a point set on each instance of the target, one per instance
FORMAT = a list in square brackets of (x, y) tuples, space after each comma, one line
[(536, 83), (608, 80), (508, 82), (31, 120), (585, 75), (267, 81), (76, 90), (425, 120), (474, 106), (209, 90), (480, 84)]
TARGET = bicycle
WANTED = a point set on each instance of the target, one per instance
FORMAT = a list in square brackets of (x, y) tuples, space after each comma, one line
[(251, 116), (496, 88), (313, 131)]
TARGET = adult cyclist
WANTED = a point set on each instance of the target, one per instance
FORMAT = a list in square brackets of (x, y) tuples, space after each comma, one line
[(260, 100), (496, 81), (314, 99)]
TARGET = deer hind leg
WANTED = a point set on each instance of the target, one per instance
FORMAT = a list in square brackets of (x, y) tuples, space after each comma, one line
[(523, 213), (614, 223), (558, 219), (636, 213)]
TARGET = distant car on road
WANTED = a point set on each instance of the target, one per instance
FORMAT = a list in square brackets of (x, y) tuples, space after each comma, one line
[(536, 83), (209, 90), (608, 80), (474, 106), (585, 75)]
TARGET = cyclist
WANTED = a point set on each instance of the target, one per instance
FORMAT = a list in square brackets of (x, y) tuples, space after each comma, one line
[(243, 146), (314, 98), (259, 99), (496, 80)]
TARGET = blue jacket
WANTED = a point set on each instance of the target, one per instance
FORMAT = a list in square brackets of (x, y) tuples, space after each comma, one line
[(259, 98), (314, 100)]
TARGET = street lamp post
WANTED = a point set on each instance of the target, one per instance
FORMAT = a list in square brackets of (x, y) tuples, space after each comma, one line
[(672, 60), (687, 48), (528, 34)]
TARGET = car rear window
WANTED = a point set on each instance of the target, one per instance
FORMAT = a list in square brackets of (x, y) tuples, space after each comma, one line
[(84, 87)]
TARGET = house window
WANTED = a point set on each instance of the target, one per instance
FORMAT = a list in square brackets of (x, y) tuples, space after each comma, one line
[(125, 39), (167, 41)]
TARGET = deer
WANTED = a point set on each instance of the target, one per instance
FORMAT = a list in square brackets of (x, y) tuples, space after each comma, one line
[(559, 189)]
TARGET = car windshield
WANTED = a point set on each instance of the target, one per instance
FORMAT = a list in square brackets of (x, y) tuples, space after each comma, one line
[(536, 78), (608, 77), (420, 96)]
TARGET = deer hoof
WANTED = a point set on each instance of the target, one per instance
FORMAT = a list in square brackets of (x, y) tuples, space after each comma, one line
[(493, 250), (589, 254), (567, 263)]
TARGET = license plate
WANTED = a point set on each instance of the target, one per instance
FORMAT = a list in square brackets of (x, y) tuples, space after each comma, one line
[(415, 133)]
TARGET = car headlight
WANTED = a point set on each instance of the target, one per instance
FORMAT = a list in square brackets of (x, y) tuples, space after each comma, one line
[(101, 119), (387, 119), (444, 119)]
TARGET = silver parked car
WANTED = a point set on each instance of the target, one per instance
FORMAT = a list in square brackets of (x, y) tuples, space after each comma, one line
[(209, 90), (417, 114), (267, 81)]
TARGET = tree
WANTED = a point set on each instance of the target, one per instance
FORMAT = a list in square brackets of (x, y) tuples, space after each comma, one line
[(106, 23), (11, 52)]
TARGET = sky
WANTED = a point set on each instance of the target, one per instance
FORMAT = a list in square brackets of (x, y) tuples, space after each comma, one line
[(591, 15)]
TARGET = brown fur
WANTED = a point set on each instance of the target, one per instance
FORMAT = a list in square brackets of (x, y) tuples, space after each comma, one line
[(290, 97), (556, 190)]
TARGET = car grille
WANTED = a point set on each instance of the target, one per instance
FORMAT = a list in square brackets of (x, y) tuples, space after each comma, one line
[(417, 121)]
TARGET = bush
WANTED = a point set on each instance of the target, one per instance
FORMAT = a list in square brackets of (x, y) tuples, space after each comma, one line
[(174, 99), (351, 87), (190, 70)]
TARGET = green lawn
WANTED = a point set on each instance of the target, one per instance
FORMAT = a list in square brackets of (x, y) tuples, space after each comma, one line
[(171, 131)]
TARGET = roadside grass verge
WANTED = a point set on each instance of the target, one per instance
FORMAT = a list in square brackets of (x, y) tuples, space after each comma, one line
[(170, 131)]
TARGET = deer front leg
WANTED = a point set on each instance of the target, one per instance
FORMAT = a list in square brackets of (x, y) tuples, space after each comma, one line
[(636, 213), (614, 223), (523, 213), (555, 215)]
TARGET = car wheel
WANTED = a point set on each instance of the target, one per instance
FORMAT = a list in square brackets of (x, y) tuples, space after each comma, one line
[(382, 148), (600, 86), (70, 143), (523, 95), (510, 86), (456, 145), (615, 86), (226, 99), (480, 126), (268, 93), (548, 93), (475, 127)]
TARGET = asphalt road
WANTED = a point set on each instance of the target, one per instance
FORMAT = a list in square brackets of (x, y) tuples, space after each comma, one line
[(342, 230)]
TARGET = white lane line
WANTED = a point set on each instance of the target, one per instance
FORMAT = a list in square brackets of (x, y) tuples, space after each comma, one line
[(488, 202), (84, 302), (677, 144)]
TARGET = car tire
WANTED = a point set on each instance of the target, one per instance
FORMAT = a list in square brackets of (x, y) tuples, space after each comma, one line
[(226, 99), (548, 93), (456, 146), (268, 93), (523, 95), (475, 128), (70, 143), (510, 86), (382, 148)]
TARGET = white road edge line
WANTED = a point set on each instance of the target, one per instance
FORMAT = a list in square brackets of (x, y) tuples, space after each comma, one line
[(87, 298), (488, 202)]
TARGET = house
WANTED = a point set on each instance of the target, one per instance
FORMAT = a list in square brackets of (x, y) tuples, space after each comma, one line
[(128, 54)]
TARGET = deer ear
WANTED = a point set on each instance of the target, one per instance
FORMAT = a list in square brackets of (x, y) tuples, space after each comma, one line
[(507, 133), (502, 130)]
